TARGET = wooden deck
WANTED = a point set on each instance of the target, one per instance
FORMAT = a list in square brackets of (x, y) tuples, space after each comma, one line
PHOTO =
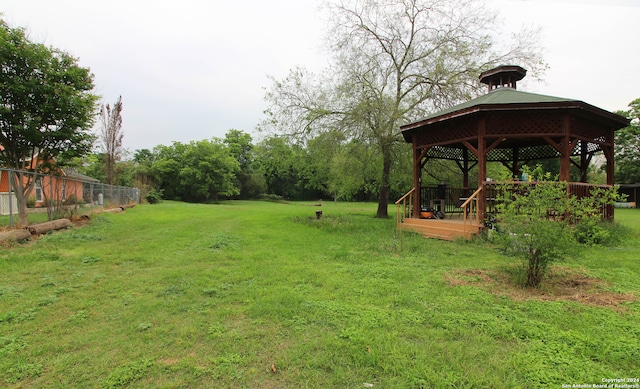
[(447, 229)]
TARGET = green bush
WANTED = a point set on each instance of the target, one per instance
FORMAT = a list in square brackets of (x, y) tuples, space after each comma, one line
[(541, 224), (154, 196), (593, 231)]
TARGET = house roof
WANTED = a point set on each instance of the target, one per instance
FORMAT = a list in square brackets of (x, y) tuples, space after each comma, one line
[(79, 176)]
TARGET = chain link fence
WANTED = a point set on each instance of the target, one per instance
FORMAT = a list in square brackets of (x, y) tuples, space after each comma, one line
[(59, 195)]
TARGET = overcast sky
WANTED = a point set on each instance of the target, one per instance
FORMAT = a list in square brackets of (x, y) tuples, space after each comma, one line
[(193, 69)]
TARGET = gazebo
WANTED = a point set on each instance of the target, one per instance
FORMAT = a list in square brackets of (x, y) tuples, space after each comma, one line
[(511, 127)]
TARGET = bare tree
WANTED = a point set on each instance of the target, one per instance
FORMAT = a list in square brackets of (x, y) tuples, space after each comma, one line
[(111, 137), (393, 61)]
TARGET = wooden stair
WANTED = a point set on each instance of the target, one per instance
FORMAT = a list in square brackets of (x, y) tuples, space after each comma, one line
[(446, 229)]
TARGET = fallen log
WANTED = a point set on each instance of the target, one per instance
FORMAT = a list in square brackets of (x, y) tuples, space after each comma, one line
[(14, 235), (127, 206), (114, 210), (41, 228)]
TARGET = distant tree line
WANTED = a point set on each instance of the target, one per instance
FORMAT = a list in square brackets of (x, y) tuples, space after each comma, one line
[(327, 166), (235, 167)]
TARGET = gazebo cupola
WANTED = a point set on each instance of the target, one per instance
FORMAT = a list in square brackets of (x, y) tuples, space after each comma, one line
[(504, 76)]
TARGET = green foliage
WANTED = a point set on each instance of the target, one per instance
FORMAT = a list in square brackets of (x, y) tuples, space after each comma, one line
[(200, 171), (283, 165), (248, 181), (154, 196), (540, 223), (125, 375), (627, 146), (591, 231), (47, 107)]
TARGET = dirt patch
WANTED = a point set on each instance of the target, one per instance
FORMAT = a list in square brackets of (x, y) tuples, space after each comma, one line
[(170, 361), (81, 220), (561, 283)]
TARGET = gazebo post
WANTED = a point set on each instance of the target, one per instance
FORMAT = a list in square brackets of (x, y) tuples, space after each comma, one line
[(515, 159), (417, 173), (565, 147), (482, 166)]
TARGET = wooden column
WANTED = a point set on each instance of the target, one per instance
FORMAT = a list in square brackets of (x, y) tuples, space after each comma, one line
[(565, 149), (482, 166), (515, 168), (417, 173)]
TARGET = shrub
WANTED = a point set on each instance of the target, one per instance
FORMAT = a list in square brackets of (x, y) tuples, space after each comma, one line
[(527, 219), (540, 223), (154, 196)]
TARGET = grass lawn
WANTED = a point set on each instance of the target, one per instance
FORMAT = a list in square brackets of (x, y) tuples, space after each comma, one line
[(262, 295)]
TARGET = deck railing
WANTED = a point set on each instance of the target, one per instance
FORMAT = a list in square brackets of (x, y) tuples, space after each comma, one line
[(404, 207), (470, 209), (464, 201)]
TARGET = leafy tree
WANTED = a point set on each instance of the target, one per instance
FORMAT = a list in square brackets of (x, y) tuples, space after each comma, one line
[(91, 165), (354, 172), (47, 109), (279, 163), (165, 171), (627, 147), (143, 177), (316, 172), (208, 171), (248, 180), (165, 168), (393, 62), (111, 136), (199, 171)]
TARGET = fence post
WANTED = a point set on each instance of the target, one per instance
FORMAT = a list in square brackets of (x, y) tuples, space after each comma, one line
[(10, 199)]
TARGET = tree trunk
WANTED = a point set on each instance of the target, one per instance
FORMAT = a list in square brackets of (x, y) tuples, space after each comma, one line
[(22, 190), (385, 187)]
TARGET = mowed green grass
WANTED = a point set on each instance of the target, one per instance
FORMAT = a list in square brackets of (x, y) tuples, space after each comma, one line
[(262, 295)]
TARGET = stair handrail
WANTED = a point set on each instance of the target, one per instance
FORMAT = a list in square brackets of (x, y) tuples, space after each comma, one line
[(472, 204), (402, 204)]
